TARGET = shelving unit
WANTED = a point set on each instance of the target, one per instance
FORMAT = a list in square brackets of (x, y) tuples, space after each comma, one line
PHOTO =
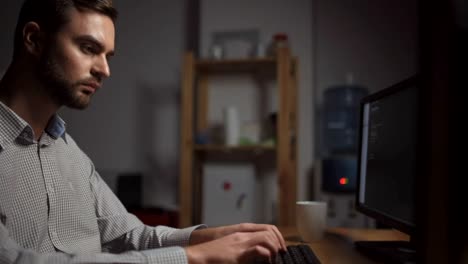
[(194, 111)]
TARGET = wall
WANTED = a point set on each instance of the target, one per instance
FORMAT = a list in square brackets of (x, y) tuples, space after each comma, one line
[(8, 14), (132, 124), (374, 40)]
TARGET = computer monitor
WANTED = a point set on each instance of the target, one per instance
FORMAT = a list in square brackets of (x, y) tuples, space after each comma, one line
[(387, 166)]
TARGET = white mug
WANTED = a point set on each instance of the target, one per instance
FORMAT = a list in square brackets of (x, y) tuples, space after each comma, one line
[(311, 220)]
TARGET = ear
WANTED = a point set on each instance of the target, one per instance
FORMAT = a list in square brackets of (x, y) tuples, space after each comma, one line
[(33, 38)]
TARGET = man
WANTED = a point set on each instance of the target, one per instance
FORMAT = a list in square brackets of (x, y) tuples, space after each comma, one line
[(54, 206)]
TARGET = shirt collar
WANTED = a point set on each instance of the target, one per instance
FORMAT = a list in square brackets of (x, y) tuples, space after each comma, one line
[(56, 127), (13, 127)]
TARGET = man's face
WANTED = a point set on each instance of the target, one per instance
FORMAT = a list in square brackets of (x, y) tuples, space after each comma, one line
[(75, 59)]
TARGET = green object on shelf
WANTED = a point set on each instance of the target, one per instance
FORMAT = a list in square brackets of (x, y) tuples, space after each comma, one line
[(243, 141), (270, 142)]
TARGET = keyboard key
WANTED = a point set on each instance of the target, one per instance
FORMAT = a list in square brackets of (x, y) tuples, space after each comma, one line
[(309, 254), (285, 257), (297, 254)]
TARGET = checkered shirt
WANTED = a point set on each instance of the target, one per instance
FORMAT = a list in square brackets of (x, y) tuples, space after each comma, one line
[(55, 208)]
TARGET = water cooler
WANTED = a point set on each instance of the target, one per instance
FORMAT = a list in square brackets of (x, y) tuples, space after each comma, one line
[(336, 170)]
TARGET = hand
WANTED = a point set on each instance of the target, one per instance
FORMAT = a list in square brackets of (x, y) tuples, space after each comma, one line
[(239, 247), (209, 234)]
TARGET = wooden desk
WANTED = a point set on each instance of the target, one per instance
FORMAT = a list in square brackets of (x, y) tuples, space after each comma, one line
[(337, 245)]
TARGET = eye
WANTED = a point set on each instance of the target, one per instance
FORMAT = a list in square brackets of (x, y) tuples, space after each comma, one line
[(88, 49)]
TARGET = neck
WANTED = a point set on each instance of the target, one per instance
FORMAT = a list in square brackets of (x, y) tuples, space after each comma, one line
[(21, 91)]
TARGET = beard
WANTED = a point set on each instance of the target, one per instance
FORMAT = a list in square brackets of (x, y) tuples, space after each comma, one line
[(58, 87)]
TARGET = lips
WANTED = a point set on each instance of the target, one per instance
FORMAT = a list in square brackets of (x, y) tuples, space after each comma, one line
[(94, 85), (91, 87)]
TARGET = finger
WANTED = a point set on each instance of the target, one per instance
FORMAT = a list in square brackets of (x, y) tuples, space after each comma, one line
[(279, 236), (265, 239), (257, 254), (262, 227), (273, 239)]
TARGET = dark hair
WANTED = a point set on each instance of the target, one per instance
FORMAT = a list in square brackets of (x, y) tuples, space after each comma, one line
[(52, 14)]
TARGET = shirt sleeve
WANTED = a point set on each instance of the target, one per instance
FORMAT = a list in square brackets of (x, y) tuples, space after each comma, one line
[(121, 231), (12, 253)]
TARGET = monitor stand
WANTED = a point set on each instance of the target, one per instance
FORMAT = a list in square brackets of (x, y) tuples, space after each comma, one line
[(388, 251)]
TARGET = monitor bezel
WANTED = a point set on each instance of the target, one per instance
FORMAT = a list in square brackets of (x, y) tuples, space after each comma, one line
[(383, 218)]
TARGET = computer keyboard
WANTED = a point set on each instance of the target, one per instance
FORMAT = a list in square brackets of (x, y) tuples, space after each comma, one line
[(297, 254)]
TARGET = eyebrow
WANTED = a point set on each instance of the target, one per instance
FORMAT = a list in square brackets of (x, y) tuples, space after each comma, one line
[(94, 41)]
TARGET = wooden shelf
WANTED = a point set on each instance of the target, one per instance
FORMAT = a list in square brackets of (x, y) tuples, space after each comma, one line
[(255, 65), (223, 148), (196, 75)]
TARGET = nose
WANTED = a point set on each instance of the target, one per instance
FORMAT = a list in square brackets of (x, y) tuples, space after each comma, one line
[(101, 67)]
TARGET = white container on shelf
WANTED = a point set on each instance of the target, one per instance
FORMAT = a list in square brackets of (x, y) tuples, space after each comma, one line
[(231, 126)]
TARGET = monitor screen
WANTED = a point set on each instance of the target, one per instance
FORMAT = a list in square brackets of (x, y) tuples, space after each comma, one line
[(387, 158)]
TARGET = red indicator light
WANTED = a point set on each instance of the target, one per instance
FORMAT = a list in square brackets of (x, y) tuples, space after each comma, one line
[(343, 181)]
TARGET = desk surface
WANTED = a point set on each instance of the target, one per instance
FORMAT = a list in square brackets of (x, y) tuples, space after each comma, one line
[(337, 245)]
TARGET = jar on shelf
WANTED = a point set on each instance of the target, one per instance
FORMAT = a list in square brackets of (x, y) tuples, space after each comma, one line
[(279, 40)]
